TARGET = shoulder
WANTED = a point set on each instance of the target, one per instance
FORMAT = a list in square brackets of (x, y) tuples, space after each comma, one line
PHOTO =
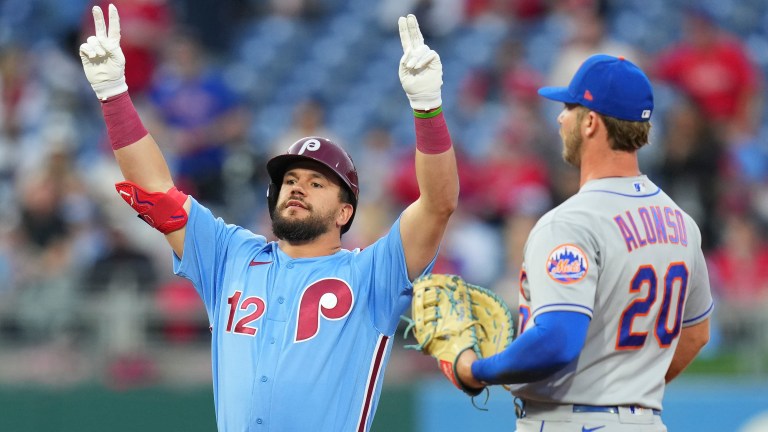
[(584, 213), (572, 216), (574, 209), (202, 219)]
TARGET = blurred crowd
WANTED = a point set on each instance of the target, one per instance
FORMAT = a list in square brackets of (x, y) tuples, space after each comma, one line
[(86, 288)]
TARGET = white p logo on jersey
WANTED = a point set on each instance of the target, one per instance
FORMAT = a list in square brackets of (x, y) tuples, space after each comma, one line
[(311, 145)]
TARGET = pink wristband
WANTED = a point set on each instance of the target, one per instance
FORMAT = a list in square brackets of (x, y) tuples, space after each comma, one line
[(124, 126), (432, 135)]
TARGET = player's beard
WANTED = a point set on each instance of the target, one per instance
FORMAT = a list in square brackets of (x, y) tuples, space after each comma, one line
[(300, 230), (572, 143)]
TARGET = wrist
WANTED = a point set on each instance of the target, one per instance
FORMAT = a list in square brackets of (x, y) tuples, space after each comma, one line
[(124, 127), (106, 89), (425, 114), (464, 370), (426, 101), (432, 136)]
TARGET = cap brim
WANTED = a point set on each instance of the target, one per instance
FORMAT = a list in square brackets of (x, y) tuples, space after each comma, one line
[(560, 94)]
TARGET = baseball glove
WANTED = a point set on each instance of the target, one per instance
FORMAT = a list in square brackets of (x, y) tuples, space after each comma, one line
[(450, 315)]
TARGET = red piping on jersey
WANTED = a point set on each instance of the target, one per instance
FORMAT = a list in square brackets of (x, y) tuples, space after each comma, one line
[(378, 360)]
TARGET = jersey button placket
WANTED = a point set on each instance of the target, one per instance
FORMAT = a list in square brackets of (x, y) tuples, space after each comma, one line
[(270, 354)]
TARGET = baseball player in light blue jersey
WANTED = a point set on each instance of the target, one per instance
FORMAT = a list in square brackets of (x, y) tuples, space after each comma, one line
[(301, 328), (614, 290)]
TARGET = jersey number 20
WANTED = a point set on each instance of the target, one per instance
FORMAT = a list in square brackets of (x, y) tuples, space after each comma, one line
[(631, 336)]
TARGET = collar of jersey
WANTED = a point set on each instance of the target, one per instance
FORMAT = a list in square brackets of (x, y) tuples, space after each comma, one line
[(616, 184), (283, 257)]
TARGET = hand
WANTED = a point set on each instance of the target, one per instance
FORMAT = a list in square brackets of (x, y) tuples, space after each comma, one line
[(464, 370), (103, 60), (421, 73)]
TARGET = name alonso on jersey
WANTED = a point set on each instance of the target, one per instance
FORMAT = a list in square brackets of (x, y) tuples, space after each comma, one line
[(652, 226)]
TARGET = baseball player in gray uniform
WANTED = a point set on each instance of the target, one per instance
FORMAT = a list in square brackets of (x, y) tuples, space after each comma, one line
[(614, 292)]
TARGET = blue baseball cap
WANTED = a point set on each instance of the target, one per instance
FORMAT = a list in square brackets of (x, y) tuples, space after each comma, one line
[(611, 86)]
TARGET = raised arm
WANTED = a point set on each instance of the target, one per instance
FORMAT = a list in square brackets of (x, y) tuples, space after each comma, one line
[(423, 223), (149, 188)]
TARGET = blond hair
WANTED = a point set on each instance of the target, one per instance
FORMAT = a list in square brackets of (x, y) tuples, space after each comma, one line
[(626, 135)]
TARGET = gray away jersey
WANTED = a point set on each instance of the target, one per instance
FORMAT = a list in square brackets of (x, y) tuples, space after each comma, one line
[(622, 252)]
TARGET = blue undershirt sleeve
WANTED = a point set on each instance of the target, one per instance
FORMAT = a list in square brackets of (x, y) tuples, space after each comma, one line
[(554, 342)]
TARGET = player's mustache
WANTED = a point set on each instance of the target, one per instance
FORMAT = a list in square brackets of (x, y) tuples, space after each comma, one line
[(295, 198)]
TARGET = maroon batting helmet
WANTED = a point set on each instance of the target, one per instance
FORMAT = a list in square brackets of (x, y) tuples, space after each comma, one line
[(320, 150)]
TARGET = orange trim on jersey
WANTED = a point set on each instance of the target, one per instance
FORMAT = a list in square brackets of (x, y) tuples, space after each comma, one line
[(680, 301), (617, 347), (523, 277), (523, 318)]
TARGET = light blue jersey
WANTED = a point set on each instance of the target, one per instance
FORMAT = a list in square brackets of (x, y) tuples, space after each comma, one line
[(297, 344)]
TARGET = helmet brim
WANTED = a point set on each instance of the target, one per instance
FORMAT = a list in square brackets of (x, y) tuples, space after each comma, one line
[(278, 165)]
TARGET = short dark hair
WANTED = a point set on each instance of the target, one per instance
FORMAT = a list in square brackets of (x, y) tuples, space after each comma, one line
[(626, 135), (345, 195)]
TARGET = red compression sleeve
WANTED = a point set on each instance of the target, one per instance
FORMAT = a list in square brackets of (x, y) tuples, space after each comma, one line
[(432, 135), (124, 127)]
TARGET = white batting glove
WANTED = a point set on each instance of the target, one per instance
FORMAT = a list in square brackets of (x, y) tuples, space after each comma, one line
[(103, 60), (421, 73)]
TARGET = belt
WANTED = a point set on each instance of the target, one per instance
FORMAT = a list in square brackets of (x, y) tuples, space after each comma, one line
[(521, 405), (606, 409)]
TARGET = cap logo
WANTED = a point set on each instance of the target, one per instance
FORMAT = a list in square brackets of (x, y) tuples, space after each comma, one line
[(311, 145), (588, 95), (646, 114)]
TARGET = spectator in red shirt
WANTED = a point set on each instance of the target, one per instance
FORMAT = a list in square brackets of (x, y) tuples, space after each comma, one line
[(713, 68), (739, 273), (739, 267)]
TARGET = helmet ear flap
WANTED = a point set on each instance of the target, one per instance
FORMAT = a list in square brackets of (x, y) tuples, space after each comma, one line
[(273, 190)]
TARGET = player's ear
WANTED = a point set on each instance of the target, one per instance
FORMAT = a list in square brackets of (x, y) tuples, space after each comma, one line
[(591, 123), (345, 214)]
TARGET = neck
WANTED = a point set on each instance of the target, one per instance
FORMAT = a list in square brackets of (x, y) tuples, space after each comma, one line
[(326, 244), (603, 162)]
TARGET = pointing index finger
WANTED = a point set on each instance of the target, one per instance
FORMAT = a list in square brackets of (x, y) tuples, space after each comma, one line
[(98, 22), (114, 22)]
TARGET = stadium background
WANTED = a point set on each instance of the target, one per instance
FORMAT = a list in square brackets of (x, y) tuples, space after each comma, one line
[(96, 333)]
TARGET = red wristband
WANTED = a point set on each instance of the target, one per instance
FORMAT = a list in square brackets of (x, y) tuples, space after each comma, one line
[(432, 135), (124, 127)]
